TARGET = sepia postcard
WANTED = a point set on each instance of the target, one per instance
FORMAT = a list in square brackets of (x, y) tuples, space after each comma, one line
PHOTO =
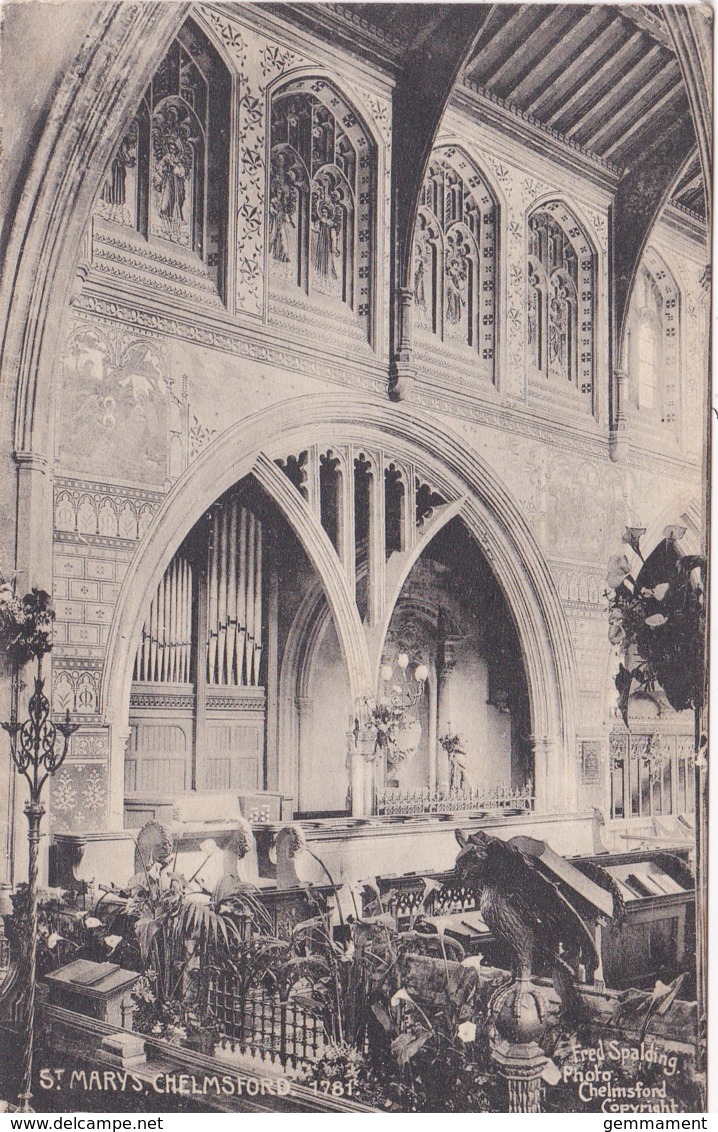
[(354, 450)]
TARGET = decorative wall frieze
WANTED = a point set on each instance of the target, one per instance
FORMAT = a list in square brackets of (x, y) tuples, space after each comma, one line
[(228, 340), (580, 585), (76, 686), (431, 394), (87, 508), (79, 795), (163, 700), (234, 703)]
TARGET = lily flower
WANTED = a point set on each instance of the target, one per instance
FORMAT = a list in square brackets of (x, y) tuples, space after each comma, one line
[(674, 532), (113, 941), (93, 922), (441, 923), (474, 961), (633, 535), (619, 568), (656, 620), (401, 995), (466, 1032)]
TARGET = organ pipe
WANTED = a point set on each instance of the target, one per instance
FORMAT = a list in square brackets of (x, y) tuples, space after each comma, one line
[(164, 652), (234, 618), (233, 644)]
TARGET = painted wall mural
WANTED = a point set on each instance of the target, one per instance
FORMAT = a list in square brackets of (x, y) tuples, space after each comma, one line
[(114, 404)]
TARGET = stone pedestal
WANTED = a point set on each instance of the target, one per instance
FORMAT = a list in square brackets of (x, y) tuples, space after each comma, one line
[(519, 1016)]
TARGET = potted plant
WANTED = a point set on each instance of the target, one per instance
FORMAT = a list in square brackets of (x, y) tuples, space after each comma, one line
[(25, 625), (657, 620)]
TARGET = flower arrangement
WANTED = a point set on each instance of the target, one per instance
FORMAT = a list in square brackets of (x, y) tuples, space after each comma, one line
[(392, 727), (657, 619), (25, 624), (451, 743)]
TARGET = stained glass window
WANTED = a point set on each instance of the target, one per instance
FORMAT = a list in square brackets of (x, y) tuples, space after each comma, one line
[(561, 283), (455, 256), (322, 179), (168, 177), (653, 338)]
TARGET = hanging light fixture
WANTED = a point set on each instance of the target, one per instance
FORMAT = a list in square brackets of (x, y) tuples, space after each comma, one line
[(408, 687)]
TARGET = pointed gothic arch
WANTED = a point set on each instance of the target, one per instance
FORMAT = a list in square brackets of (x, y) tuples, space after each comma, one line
[(489, 513)]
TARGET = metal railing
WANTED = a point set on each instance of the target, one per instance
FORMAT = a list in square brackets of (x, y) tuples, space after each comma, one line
[(262, 1023), (493, 799)]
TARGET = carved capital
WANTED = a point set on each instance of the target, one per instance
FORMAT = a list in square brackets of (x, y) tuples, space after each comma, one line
[(31, 461)]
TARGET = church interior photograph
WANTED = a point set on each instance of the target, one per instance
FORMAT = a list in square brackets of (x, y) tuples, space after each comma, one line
[(353, 488)]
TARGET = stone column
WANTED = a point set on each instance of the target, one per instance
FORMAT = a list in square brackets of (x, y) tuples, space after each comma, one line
[(118, 740), (33, 554), (433, 736), (446, 662), (402, 373), (619, 438), (551, 789), (357, 776), (305, 707)]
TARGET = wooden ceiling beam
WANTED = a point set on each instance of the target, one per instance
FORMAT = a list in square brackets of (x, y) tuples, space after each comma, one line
[(491, 42), (521, 69), (641, 122), (555, 59), (615, 90), (611, 61), (622, 116), (503, 68), (578, 75)]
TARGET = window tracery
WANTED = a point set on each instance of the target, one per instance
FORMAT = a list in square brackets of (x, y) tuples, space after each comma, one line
[(455, 256), (653, 350), (561, 287), (322, 174)]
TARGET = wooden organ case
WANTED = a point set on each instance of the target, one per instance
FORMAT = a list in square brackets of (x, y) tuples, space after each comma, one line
[(198, 700)]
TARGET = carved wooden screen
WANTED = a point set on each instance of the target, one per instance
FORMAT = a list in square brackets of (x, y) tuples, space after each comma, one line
[(322, 184), (455, 256), (561, 284), (197, 709)]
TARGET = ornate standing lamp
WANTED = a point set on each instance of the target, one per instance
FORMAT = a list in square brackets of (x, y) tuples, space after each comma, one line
[(26, 625)]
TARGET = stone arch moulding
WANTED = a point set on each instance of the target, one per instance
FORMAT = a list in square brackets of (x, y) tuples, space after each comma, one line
[(303, 642), (52, 207), (488, 510)]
